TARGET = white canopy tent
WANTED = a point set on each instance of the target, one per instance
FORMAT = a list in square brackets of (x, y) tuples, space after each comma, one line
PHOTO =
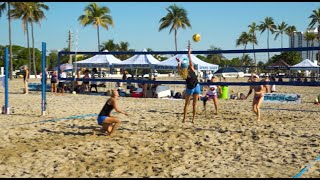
[(305, 65), (98, 61), (171, 63), (138, 61)]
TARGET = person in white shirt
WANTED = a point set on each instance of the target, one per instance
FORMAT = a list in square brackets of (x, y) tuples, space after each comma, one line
[(209, 76), (61, 82), (212, 93)]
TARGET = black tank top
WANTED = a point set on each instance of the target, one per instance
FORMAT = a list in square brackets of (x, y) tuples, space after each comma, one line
[(192, 79), (106, 110)]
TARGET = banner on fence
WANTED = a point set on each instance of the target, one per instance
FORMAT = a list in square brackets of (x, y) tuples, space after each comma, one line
[(282, 98)]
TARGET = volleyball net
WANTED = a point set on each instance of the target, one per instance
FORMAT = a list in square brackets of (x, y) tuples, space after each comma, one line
[(288, 74)]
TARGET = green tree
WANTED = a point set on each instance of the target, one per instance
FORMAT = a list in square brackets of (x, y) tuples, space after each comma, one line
[(22, 10), (110, 46), (244, 39), (97, 16), (235, 62), (315, 19), (176, 18), (37, 16), (123, 47), (247, 60), (215, 58), (3, 7), (268, 25), (52, 59), (290, 58), (281, 28)]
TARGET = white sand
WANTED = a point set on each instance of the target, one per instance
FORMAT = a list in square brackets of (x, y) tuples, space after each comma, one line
[(153, 142)]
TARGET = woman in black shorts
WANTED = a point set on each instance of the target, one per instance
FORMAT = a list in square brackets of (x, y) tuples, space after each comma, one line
[(54, 78)]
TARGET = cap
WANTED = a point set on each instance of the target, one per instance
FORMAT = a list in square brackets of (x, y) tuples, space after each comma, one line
[(255, 75)]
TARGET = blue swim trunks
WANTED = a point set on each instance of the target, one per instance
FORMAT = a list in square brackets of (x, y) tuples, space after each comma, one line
[(195, 90), (100, 119)]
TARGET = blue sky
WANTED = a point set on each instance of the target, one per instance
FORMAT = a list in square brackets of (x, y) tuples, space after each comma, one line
[(219, 23)]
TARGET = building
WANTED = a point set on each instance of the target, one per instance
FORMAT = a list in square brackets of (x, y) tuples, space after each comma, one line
[(299, 41)]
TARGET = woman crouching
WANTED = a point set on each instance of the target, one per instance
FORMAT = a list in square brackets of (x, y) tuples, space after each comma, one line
[(110, 123)]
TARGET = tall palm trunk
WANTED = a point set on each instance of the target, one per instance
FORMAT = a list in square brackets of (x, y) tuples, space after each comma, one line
[(254, 55), (281, 40), (268, 45), (312, 45), (98, 38), (307, 50), (319, 42), (175, 39), (245, 46), (28, 44), (10, 44), (33, 52)]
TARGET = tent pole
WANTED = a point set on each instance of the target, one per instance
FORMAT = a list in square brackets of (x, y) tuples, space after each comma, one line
[(174, 73)]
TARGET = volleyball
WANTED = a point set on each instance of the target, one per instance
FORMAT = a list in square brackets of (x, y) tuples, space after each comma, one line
[(185, 63), (74, 92), (196, 37)]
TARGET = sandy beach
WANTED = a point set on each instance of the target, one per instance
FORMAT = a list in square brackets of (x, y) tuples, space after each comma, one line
[(153, 141)]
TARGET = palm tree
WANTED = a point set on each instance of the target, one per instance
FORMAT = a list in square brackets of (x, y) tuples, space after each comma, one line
[(22, 11), (123, 46), (215, 58), (290, 32), (36, 16), (2, 9), (269, 25), (253, 38), (97, 16), (247, 60), (176, 18), (109, 45), (315, 19), (281, 29), (244, 39)]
